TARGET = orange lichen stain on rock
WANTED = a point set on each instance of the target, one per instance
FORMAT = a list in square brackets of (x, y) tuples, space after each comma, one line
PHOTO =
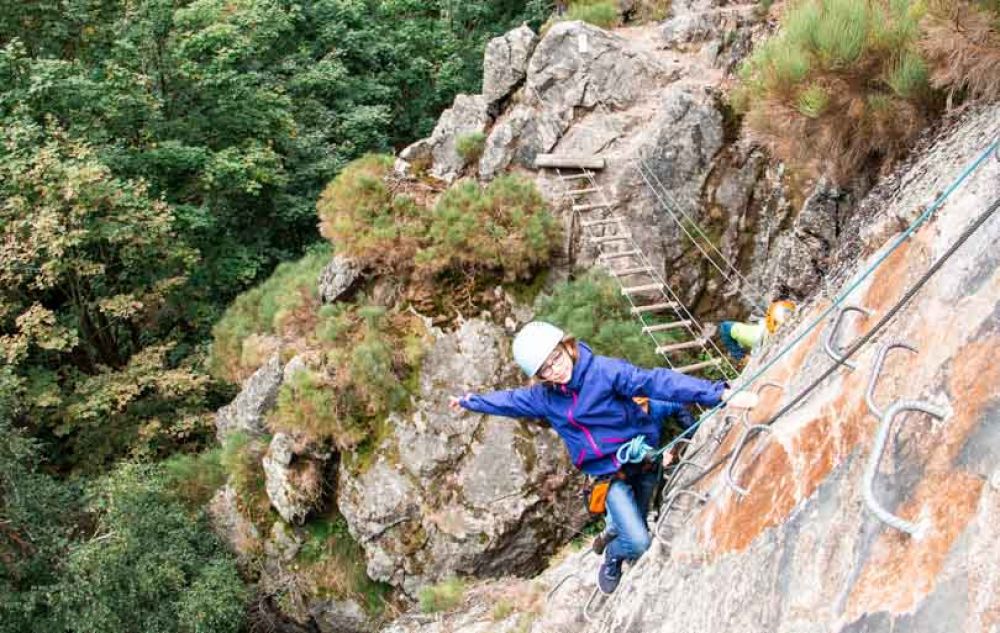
[(973, 378), (771, 497), (889, 279), (901, 569)]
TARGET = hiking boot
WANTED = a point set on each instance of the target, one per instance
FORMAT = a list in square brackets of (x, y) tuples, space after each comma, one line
[(601, 541), (609, 575)]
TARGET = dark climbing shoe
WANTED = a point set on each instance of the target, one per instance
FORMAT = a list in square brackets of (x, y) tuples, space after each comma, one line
[(609, 575), (601, 541)]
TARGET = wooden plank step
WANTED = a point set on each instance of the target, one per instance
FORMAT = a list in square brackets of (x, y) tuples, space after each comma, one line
[(654, 307), (663, 327), (631, 290), (590, 223), (604, 239), (590, 207), (568, 161), (619, 254), (580, 192), (632, 271), (585, 174), (676, 347), (687, 369)]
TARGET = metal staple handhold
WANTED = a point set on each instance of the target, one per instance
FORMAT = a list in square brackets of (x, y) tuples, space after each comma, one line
[(559, 584), (881, 439), (668, 506), (730, 480), (880, 356), (590, 617), (830, 342)]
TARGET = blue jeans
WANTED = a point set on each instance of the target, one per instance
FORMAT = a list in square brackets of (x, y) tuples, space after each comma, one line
[(660, 410), (627, 506)]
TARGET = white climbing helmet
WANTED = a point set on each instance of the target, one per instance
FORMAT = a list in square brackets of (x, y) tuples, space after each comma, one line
[(534, 343)]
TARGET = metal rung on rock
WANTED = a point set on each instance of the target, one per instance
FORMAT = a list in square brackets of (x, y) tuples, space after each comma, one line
[(580, 192), (620, 254), (632, 271), (590, 223), (644, 288), (610, 238), (654, 307), (662, 327), (698, 366), (589, 207), (676, 347)]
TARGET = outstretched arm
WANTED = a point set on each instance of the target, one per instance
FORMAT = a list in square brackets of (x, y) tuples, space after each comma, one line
[(663, 384), (512, 403)]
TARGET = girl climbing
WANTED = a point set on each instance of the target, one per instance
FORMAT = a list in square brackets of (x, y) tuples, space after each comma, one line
[(588, 400)]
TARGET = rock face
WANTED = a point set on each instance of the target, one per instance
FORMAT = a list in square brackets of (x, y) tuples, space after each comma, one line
[(460, 494), (469, 114), (505, 62), (247, 411), (294, 477), (337, 278), (801, 551)]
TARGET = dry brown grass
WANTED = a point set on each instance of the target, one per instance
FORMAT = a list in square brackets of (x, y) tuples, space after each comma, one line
[(961, 44)]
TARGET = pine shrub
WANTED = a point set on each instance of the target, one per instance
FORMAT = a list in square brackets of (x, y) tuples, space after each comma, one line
[(962, 46), (842, 82), (285, 305), (602, 13), (591, 308)]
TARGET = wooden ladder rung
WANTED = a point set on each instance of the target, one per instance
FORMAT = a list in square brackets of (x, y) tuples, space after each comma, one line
[(654, 307), (589, 207), (631, 290), (632, 271), (575, 176), (619, 254), (663, 327), (580, 192), (703, 365), (604, 239), (676, 347), (590, 223)]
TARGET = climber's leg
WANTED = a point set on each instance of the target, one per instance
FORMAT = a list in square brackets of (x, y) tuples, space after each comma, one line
[(629, 520)]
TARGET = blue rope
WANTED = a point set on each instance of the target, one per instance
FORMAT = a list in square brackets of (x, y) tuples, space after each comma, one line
[(635, 450), (968, 171)]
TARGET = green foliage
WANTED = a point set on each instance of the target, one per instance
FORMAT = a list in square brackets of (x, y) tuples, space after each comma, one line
[(150, 566), (470, 146), (813, 101), (444, 596), (284, 305), (37, 524), (367, 370), (602, 13), (333, 564), (195, 478), (159, 157), (240, 459), (591, 308), (93, 277), (504, 229), (807, 90)]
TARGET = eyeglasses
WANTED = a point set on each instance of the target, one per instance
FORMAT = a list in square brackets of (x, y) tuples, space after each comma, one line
[(554, 357)]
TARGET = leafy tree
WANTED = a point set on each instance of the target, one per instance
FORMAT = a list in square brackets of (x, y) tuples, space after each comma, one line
[(149, 566), (91, 276)]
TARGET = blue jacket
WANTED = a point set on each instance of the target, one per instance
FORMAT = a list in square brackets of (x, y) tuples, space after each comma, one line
[(594, 413)]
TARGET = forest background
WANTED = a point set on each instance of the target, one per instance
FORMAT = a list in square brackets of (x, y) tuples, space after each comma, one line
[(157, 158)]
